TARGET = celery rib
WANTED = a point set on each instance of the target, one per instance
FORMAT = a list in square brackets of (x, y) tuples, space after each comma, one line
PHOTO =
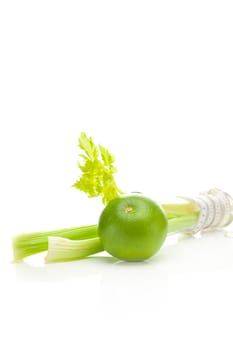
[(64, 249), (28, 244), (175, 225), (179, 217)]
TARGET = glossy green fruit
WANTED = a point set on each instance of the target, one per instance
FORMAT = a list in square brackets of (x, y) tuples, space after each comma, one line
[(132, 227)]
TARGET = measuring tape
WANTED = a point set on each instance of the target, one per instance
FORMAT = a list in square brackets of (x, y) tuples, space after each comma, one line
[(216, 210)]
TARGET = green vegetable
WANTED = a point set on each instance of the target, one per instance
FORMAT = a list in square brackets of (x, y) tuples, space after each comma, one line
[(28, 244), (96, 179), (63, 249), (97, 171), (68, 247)]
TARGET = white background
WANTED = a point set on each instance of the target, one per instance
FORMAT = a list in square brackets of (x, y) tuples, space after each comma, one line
[(153, 82)]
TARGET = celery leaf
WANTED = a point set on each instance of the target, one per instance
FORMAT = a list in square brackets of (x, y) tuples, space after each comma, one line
[(97, 169)]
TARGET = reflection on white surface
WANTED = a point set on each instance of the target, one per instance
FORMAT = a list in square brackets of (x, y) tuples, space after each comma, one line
[(185, 287), (58, 272), (186, 267)]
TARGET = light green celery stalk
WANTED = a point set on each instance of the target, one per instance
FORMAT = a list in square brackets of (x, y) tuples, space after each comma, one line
[(63, 249), (180, 216), (32, 243), (97, 179), (28, 244), (67, 249)]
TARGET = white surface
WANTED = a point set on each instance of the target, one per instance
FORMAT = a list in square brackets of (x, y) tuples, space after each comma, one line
[(152, 81)]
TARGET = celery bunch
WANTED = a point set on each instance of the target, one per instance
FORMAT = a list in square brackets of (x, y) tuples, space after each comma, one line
[(97, 179)]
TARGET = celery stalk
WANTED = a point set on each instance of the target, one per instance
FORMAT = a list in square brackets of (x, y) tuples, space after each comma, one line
[(28, 244), (175, 225), (180, 216), (63, 249), (97, 179), (60, 250)]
